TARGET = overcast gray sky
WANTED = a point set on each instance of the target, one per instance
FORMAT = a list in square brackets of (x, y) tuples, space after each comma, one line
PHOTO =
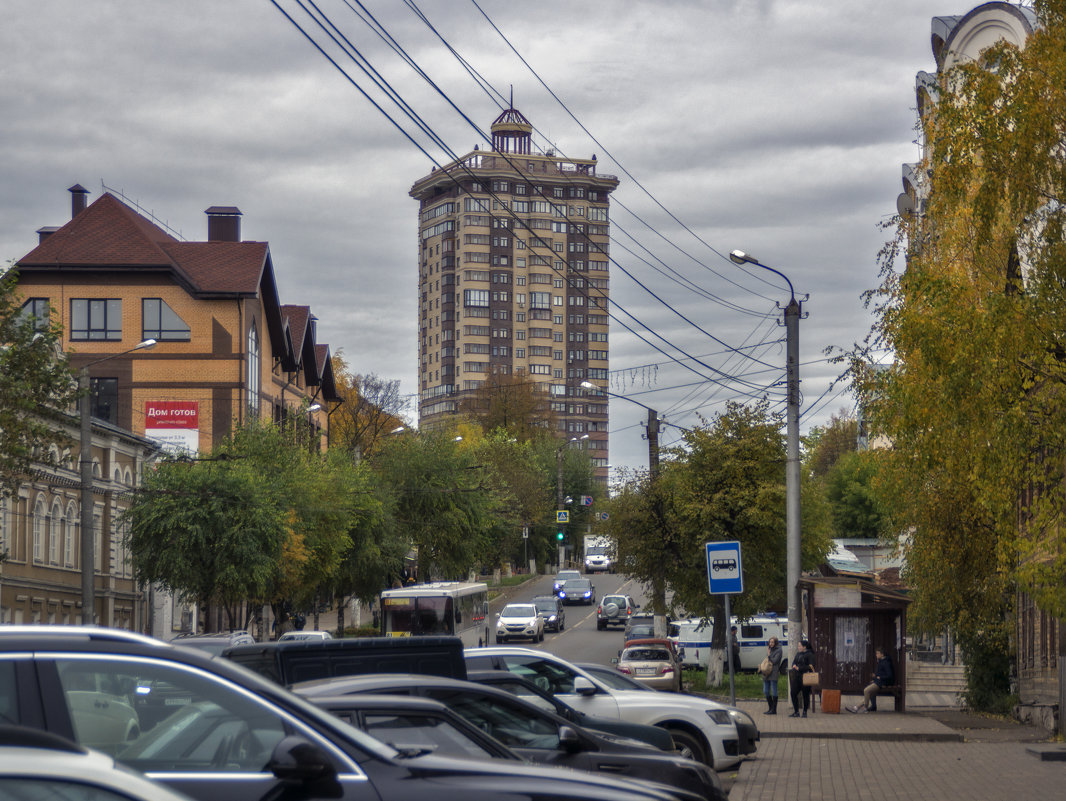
[(777, 128)]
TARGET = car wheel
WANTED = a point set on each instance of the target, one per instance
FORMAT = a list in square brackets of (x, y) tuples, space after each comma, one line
[(689, 746), (540, 637), (500, 640)]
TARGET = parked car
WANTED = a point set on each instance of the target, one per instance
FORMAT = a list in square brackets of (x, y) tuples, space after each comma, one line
[(553, 611), (519, 622), (529, 731), (638, 627), (577, 591), (217, 732), (305, 635), (615, 610), (526, 690), (652, 662), (701, 728), (214, 643), (562, 577), (38, 765), (612, 677)]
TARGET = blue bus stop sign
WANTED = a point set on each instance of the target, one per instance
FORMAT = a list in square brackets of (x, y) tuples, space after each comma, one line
[(724, 573)]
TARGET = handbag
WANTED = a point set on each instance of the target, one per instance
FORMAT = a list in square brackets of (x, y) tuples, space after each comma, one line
[(811, 679), (766, 667)]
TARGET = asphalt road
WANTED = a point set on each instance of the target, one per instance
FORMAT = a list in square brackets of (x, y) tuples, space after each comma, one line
[(580, 641)]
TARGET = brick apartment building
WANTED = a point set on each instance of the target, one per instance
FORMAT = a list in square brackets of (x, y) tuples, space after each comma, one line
[(513, 278)]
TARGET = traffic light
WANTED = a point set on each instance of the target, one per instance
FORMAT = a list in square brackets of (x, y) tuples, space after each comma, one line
[(560, 536)]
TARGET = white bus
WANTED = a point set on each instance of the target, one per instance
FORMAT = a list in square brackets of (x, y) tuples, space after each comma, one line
[(457, 608)]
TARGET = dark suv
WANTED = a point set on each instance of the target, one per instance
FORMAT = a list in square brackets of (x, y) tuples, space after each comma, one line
[(217, 732), (551, 608)]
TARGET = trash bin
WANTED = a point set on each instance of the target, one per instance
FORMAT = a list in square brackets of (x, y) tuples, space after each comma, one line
[(831, 702)]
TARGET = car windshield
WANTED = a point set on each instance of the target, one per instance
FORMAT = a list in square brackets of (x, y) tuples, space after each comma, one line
[(547, 604), (645, 655), (618, 600), (563, 575), (519, 610)]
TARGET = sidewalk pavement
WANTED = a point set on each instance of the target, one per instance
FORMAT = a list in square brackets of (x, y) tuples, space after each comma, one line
[(887, 755)]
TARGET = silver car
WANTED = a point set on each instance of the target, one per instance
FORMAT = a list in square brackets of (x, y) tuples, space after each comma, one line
[(520, 622)]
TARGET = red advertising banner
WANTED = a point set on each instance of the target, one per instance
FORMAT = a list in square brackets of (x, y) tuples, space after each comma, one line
[(171, 414), (173, 424)]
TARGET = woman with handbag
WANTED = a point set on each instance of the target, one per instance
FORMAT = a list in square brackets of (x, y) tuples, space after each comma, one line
[(802, 664), (771, 673)]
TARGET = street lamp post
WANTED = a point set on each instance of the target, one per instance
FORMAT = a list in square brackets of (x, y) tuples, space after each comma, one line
[(85, 463), (792, 460)]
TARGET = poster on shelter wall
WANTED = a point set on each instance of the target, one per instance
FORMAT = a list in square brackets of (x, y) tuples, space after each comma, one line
[(175, 425)]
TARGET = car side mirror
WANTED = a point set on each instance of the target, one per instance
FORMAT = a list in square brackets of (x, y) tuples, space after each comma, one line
[(569, 740), (614, 660), (298, 761), (583, 686)]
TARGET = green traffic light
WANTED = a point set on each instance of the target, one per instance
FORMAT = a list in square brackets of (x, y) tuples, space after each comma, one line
[(559, 536)]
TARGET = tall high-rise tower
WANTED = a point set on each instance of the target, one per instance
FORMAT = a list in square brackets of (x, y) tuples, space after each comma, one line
[(513, 278)]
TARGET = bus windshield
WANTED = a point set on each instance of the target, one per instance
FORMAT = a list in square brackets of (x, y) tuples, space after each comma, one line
[(409, 616)]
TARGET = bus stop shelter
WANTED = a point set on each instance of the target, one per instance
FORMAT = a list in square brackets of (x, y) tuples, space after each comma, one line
[(849, 618)]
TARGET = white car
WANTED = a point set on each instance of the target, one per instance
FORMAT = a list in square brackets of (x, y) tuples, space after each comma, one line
[(305, 635), (520, 621), (702, 729)]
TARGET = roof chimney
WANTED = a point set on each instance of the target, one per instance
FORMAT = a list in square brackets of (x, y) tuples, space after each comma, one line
[(78, 194), (45, 232), (223, 224)]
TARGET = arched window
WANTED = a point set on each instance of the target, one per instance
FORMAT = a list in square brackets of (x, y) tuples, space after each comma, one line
[(55, 532), (39, 520), (70, 533), (253, 378)]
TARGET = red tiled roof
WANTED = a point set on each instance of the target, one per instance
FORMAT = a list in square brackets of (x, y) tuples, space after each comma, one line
[(298, 317), (107, 232), (226, 267)]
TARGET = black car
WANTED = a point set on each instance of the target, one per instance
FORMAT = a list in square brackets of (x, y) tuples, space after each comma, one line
[(517, 685), (552, 610), (529, 730), (217, 732), (577, 591)]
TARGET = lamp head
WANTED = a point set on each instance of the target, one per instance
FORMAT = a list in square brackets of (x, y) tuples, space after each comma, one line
[(740, 257), (588, 385)]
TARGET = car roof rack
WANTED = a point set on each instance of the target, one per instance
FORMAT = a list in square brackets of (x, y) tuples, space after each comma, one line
[(26, 737), (101, 633)]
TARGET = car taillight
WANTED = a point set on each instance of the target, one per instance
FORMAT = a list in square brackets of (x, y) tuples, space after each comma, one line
[(624, 669), (665, 669), (599, 610)]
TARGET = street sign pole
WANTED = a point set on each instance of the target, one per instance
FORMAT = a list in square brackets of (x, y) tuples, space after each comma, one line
[(725, 575)]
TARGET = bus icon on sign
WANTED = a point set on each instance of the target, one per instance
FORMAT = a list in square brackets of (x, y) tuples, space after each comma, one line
[(723, 564)]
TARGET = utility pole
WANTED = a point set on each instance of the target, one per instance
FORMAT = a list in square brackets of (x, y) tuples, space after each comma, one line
[(792, 475), (658, 587)]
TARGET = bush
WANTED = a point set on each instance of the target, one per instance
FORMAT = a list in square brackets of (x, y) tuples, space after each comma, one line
[(362, 631), (988, 663)]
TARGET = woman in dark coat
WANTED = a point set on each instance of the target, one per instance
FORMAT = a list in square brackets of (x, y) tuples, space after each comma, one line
[(769, 681), (803, 663)]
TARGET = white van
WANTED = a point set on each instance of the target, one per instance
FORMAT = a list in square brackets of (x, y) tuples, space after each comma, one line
[(692, 640), (753, 634)]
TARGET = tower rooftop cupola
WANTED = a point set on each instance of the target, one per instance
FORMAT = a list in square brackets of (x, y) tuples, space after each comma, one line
[(511, 133)]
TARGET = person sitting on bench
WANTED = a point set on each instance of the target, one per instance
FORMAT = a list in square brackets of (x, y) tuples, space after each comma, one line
[(885, 676)]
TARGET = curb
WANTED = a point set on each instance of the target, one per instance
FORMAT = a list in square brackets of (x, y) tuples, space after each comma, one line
[(882, 736)]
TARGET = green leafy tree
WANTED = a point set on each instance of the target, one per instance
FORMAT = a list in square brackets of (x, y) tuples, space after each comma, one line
[(514, 403), (207, 532), (437, 497), (852, 498), (36, 384)]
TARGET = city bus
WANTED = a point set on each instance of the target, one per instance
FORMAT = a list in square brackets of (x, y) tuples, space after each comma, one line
[(458, 608)]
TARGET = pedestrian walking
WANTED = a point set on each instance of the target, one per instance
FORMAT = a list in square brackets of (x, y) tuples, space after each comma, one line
[(884, 676), (774, 655), (803, 663)]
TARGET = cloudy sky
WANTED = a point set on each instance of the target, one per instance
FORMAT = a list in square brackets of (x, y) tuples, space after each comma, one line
[(777, 128)]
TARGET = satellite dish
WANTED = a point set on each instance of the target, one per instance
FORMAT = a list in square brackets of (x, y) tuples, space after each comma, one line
[(905, 205)]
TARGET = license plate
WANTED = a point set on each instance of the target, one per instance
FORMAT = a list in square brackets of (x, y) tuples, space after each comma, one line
[(645, 671)]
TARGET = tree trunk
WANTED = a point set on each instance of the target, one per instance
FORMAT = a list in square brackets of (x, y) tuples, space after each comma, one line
[(341, 603), (716, 667)]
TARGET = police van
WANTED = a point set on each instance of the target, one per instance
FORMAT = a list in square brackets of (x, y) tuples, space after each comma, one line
[(695, 636)]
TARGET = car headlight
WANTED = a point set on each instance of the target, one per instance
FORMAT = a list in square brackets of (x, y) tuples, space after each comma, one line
[(720, 716), (551, 618), (587, 594), (740, 716)]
